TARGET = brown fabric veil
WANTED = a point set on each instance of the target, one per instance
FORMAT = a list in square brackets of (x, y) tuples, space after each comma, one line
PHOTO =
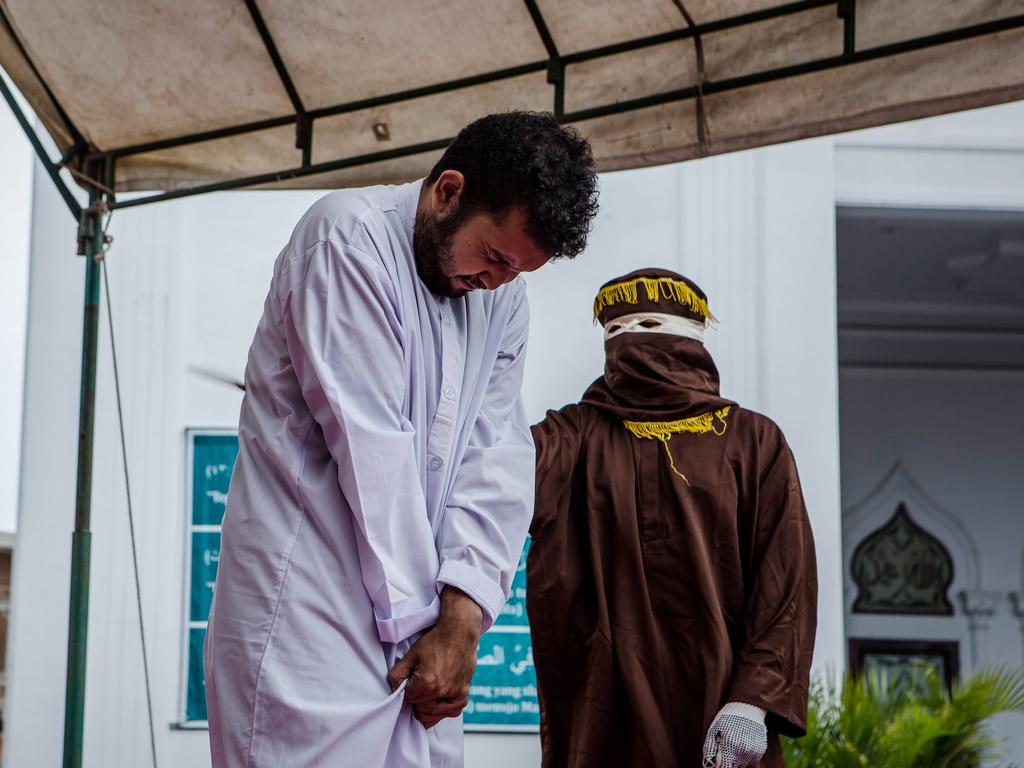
[(656, 377)]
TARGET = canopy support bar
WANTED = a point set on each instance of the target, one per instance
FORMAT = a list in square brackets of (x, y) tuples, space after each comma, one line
[(291, 173), (303, 124), (76, 136), (847, 11), (556, 69), (51, 168), (275, 56)]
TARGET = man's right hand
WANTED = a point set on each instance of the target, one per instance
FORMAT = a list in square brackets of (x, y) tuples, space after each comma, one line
[(440, 665), (737, 738)]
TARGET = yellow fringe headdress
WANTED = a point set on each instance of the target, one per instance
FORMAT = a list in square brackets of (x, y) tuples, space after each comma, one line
[(663, 430), (656, 289)]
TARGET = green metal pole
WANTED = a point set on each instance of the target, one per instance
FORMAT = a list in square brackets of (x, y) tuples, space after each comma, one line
[(90, 243)]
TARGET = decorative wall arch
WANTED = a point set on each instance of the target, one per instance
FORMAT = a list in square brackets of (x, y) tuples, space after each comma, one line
[(877, 508), (974, 605), (901, 568)]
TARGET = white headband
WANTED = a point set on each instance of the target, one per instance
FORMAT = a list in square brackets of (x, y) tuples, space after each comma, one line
[(672, 324)]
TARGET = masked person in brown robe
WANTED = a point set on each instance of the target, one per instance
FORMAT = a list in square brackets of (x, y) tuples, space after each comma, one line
[(671, 582)]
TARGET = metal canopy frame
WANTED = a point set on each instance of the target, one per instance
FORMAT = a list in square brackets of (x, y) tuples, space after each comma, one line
[(95, 171)]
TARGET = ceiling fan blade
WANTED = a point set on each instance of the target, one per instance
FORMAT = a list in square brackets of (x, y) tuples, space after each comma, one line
[(220, 378)]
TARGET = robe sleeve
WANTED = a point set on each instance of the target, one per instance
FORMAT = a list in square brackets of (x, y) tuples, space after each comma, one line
[(481, 537), (773, 666), (558, 438), (344, 337)]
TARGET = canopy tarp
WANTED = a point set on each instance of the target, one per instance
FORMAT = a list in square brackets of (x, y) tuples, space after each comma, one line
[(190, 96), (201, 94)]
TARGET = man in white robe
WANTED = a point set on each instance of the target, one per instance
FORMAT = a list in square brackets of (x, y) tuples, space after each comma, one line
[(384, 481)]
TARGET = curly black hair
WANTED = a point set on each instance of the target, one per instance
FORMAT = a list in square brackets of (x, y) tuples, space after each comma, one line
[(527, 159)]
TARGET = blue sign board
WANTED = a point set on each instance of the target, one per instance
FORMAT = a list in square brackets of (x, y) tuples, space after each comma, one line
[(503, 694), (211, 458)]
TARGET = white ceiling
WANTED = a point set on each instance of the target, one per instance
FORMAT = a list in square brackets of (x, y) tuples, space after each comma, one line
[(931, 287)]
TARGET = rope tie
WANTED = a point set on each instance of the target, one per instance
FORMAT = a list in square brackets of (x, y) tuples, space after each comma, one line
[(100, 258)]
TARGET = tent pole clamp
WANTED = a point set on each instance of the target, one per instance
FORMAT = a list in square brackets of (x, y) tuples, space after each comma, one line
[(72, 153), (89, 228)]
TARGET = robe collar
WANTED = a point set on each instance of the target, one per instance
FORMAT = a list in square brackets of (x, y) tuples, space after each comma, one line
[(407, 199)]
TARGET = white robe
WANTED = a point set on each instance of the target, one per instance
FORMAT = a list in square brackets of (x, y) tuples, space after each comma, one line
[(383, 453)]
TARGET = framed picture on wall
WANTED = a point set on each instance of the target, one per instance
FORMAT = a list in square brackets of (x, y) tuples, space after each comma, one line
[(905, 662)]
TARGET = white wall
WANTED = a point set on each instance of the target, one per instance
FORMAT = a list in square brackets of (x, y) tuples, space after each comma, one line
[(189, 278), (37, 637), (968, 160), (15, 204)]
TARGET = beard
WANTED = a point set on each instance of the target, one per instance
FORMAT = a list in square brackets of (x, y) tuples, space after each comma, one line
[(432, 249)]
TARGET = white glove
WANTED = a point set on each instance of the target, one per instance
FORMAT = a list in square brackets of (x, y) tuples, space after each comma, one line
[(737, 737)]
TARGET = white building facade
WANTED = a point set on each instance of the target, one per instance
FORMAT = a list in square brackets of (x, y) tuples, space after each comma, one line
[(931, 343), (757, 230)]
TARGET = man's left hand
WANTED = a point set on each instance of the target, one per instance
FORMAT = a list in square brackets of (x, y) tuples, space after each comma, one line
[(440, 665)]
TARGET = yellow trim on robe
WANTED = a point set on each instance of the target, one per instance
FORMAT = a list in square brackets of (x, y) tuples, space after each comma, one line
[(656, 288), (663, 430)]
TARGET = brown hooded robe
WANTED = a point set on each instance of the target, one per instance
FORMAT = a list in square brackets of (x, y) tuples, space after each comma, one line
[(652, 601)]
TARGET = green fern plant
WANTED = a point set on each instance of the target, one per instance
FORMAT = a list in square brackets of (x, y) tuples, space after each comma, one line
[(870, 723)]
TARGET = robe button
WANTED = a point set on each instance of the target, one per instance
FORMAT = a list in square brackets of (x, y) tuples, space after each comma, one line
[(446, 318), (436, 463), (449, 392)]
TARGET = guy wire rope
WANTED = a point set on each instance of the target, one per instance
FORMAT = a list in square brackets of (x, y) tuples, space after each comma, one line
[(101, 256)]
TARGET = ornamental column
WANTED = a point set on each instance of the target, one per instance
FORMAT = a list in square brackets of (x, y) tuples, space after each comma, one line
[(1017, 607), (979, 606)]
